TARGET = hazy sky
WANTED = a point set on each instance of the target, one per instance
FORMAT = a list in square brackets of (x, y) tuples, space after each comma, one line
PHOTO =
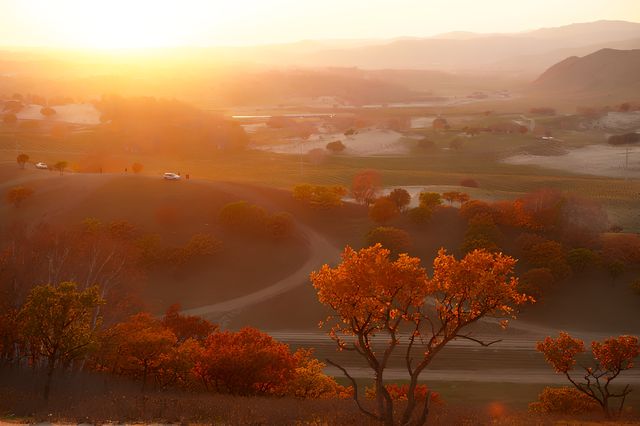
[(145, 23)]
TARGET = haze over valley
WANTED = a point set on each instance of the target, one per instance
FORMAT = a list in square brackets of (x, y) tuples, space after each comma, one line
[(187, 195)]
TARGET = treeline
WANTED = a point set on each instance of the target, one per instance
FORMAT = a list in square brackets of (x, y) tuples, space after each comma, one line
[(59, 328), (624, 139), (554, 234)]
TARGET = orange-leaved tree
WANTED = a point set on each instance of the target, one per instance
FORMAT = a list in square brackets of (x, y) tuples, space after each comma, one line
[(246, 362), (373, 295), (57, 325), (610, 358), (383, 210), (136, 348), (310, 382), (365, 186)]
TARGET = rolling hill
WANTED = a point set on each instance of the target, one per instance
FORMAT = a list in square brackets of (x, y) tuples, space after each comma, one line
[(607, 72)]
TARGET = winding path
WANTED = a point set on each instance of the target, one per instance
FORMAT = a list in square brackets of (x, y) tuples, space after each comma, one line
[(321, 252)]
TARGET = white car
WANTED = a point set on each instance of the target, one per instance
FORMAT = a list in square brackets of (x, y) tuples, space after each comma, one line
[(171, 176), (41, 165)]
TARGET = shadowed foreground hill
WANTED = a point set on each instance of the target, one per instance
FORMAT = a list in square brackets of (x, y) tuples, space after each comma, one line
[(606, 72)]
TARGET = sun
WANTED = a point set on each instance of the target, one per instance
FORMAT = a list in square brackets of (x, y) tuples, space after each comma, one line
[(120, 23)]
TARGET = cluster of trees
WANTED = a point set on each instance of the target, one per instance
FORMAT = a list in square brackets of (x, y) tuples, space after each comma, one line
[(242, 216), (556, 234), (455, 197), (320, 196), (162, 126), (59, 328), (92, 252), (387, 207), (116, 256)]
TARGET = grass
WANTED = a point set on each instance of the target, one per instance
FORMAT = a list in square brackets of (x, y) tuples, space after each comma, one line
[(95, 398), (478, 158)]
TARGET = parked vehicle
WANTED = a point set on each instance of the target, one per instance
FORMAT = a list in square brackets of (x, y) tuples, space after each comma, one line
[(41, 165), (171, 176)]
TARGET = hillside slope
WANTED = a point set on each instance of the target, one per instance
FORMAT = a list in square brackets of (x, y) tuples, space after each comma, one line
[(606, 72)]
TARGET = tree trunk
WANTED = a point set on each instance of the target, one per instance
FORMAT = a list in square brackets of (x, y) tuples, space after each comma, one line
[(385, 407), (411, 400), (605, 408), (51, 363)]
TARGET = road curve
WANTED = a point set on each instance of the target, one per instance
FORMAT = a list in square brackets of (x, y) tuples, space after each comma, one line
[(321, 252)]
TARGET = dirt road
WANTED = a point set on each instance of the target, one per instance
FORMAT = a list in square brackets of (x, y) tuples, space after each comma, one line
[(321, 251)]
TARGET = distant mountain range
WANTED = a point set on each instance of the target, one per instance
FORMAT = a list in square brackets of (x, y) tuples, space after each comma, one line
[(525, 53), (607, 72)]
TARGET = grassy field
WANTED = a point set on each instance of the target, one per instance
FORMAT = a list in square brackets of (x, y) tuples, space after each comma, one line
[(478, 158)]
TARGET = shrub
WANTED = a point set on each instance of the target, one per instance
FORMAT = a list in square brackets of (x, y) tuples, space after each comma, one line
[(482, 233), (536, 281), (22, 159), (563, 400), (137, 167), (248, 218), (430, 200), (48, 112), (400, 197), (399, 392), (420, 215), (247, 362), (426, 143), (242, 215), (336, 146), (310, 382), (473, 208), (394, 239), (540, 252), (18, 194), (199, 246), (469, 183), (580, 258), (319, 195), (383, 210), (280, 225)]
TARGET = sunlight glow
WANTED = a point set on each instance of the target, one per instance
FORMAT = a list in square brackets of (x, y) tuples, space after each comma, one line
[(170, 23)]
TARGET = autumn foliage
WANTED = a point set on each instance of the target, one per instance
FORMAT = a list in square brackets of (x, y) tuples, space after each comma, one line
[(251, 219), (609, 358), (320, 196), (370, 294), (563, 400), (365, 186), (383, 210)]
